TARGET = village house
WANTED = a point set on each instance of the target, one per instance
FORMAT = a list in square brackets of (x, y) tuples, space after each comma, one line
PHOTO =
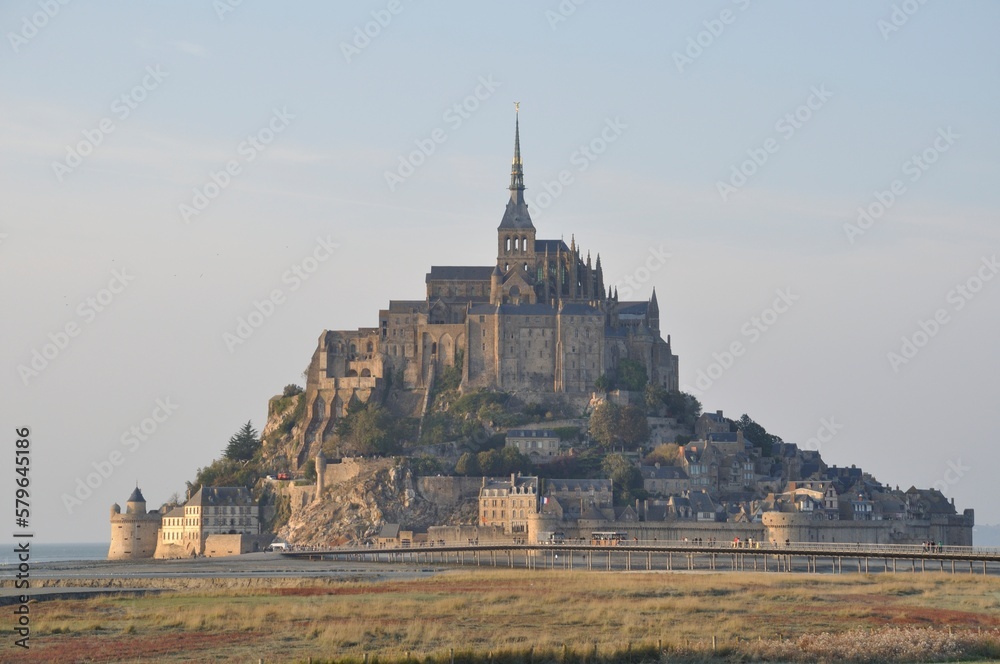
[(508, 503), (540, 445), (661, 480)]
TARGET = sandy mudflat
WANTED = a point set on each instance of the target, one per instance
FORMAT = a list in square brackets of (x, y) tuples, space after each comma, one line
[(158, 574)]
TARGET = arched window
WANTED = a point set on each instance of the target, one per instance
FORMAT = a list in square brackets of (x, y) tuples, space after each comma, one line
[(370, 347)]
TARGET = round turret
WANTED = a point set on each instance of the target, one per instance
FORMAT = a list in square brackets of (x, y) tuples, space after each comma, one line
[(136, 503), (116, 509)]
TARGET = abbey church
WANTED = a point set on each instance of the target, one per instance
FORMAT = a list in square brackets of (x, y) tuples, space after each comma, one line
[(539, 321)]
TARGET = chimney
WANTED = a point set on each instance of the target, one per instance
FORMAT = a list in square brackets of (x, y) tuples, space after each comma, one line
[(719, 413)]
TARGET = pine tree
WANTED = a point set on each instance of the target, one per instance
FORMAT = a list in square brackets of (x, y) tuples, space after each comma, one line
[(244, 444)]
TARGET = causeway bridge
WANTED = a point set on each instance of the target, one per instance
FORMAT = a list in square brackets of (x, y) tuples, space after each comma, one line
[(645, 555)]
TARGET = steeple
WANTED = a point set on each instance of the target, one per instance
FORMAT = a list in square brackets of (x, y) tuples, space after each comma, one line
[(516, 169), (516, 233), (653, 312)]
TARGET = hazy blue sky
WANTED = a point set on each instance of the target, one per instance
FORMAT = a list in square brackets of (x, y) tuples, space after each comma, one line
[(740, 138)]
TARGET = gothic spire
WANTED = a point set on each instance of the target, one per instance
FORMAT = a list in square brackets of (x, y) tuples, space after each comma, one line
[(516, 215), (516, 170)]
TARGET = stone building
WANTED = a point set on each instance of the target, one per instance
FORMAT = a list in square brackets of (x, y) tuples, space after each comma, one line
[(214, 521), (541, 445), (133, 534), (540, 320), (508, 503)]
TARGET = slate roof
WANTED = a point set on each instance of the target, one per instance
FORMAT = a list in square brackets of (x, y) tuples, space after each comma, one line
[(516, 216), (552, 245), (580, 309), (136, 497), (389, 531), (629, 309), (407, 306), (460, 273), (531, 433), (220, 495), (663, 473), (578, 485)]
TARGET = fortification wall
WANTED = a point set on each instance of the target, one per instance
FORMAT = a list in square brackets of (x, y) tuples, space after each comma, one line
[(133, 537), (449, 492), (466, 534), (217, 546), (947, 529)]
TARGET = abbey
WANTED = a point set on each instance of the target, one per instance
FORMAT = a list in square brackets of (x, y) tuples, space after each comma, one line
[(541, 320)]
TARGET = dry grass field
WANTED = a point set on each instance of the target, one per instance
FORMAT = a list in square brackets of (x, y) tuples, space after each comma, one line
[(533, 614)]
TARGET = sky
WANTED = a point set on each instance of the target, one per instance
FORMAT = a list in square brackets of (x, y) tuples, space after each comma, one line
[(194, 191)]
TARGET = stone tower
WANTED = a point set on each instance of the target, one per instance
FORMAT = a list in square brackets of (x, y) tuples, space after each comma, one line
[(134, 533)]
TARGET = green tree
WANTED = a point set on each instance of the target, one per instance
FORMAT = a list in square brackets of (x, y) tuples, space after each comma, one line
[(666, 454), (603, 383), (656, 396), (468, 465), (309, 471), (757, 434), (371, 430), (512, 461), (633, 426), (625, 477), (490, 462), (632, 375), (243, 444), (604, 424), (291, 390)]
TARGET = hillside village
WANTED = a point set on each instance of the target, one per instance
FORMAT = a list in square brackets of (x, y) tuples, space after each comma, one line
[(517, 401)]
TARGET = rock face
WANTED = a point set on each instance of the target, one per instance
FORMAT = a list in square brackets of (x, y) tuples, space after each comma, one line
[(385, 491)]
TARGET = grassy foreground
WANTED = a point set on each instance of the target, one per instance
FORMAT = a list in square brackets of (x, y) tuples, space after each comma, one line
[(537, 616)]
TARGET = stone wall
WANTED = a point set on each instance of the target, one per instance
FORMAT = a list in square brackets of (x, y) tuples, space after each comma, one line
[(133, 536), (449, 492), (217, 546)]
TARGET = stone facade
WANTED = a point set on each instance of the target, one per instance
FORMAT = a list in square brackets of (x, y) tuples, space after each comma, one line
[(134, 533), (540, 320), (215, 521), (541, 445), (508, 504), (211, 511)]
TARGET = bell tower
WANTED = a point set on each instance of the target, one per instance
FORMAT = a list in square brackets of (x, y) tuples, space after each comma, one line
[(516, 233)]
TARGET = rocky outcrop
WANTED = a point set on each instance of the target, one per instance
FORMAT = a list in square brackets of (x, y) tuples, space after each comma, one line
[(384, 491)]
